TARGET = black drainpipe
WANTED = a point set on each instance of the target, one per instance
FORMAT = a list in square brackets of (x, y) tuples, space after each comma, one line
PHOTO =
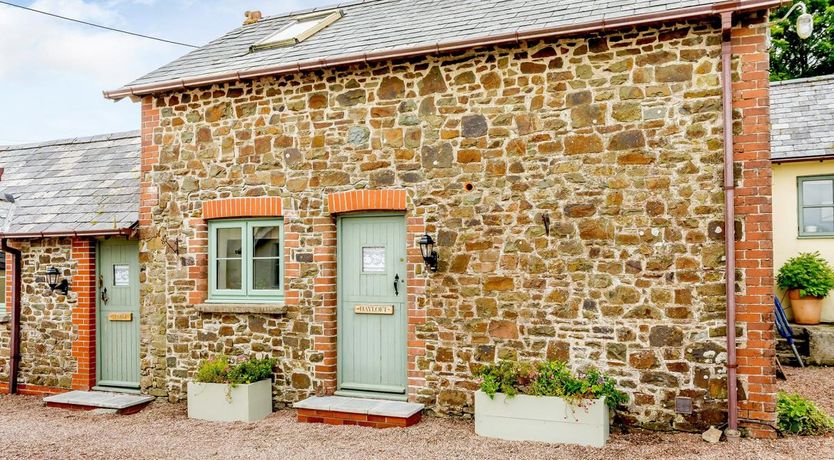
[(14, 347)]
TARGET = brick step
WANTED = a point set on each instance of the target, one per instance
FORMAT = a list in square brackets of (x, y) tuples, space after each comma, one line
[(121, 403), (340, 410)]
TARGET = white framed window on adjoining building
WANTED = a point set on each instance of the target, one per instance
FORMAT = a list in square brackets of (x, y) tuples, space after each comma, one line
[(816, 206)]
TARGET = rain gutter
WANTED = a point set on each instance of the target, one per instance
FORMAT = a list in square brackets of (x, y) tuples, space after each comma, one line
[(447, 46), (80, 233), (802, 159)]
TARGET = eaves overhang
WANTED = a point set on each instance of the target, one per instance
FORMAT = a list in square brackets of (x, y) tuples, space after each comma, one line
[(735, 6)]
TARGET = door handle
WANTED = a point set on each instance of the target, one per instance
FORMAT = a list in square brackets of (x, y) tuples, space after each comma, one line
[(397, 284), (103, 290)]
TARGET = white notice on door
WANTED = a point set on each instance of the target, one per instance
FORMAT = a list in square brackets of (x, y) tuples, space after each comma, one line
[(373, 259), (121, 275)]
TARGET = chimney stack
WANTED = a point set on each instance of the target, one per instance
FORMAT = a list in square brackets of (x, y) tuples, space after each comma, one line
[(252, 17)]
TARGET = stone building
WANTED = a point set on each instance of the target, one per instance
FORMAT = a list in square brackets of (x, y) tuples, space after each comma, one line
[(567, 160), (63, 204)]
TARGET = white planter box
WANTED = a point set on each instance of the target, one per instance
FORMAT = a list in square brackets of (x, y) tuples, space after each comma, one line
[(248, 403), (541, 418)]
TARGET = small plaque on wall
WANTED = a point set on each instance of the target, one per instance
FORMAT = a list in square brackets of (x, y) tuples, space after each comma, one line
[(120, 316), (374, 309)]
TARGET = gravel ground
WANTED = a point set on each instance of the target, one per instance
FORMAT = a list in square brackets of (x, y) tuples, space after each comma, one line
[(30, 430)]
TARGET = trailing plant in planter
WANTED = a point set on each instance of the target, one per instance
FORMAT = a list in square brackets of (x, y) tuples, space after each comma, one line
[(243, 371), (545, 401), (227, 389), (549, 378), (808, 278), (797, 415)]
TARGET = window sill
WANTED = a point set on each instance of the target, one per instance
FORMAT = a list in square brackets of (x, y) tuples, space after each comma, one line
[(5, 318), (256, 308)]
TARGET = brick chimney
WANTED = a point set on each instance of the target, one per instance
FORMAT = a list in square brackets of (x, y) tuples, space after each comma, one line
[(252, 17)]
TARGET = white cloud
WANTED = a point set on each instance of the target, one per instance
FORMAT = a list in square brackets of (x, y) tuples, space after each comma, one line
[(38, 45), (52, 71)]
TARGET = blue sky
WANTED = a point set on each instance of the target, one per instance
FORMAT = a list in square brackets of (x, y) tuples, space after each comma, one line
[(52, 72)]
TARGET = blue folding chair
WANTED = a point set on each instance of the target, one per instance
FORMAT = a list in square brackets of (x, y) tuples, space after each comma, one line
[(785, 329)]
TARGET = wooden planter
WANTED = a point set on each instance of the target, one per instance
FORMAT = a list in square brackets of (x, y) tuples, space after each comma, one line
[(218, 402), (541, 418)]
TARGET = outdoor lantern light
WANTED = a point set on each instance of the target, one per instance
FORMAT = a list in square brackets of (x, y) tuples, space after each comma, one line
[(805, 23), (52, 279), (429, 254)]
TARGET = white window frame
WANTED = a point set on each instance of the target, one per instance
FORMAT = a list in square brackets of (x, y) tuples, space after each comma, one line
[(279, 39)]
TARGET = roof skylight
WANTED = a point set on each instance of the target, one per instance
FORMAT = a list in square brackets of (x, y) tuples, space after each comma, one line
[(301, 28)]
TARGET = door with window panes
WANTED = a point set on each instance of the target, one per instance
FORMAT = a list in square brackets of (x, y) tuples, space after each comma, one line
[(245, 260)]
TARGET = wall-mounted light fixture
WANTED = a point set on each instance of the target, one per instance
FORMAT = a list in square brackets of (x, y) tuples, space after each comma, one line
[(52, 275), (804, 23), (428, 252)]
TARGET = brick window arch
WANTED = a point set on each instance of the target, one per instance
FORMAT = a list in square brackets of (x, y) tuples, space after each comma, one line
[(366, 200)]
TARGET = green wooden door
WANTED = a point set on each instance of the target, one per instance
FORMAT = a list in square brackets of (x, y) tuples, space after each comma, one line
[(372, 316), (118, 314)]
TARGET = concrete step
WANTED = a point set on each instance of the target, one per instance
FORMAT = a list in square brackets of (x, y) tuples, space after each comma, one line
[(341, 410), (89, 400)]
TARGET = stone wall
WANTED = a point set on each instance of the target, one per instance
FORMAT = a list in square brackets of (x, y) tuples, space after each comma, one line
[(46, 329), (574, 188), (57, 332)]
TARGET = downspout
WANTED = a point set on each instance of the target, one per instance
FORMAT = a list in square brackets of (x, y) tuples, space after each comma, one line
[(14, 347), (729, 216)]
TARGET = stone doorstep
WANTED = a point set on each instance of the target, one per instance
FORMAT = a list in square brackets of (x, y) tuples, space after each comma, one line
[(340, 410), (122, 403)]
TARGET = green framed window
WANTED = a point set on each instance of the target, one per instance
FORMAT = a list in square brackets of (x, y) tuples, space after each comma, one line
[(816, 206), (245, 260)]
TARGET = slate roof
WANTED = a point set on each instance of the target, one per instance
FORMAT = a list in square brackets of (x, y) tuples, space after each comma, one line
[(83, 184), (381, 25), (802, 118)]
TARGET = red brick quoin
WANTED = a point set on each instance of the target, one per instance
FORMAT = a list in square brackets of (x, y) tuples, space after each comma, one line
[(84, 313), (754, 247)]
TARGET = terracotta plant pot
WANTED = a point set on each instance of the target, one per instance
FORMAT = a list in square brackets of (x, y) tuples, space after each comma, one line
[(806, 310)]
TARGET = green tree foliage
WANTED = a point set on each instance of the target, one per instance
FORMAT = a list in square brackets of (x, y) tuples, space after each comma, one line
[(792, 57)]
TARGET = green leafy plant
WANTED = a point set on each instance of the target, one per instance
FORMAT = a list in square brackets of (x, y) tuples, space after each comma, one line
[(809, 273), (792, 57), (549, 378), (241, 372), (797, 415), (213, 370)]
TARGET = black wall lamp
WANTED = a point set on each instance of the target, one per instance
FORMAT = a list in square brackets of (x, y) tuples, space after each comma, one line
[(52, 275), (429, 254)]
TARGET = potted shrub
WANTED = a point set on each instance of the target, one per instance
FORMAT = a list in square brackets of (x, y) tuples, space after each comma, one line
[(545, 401), (228, 391), (808, 278)]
